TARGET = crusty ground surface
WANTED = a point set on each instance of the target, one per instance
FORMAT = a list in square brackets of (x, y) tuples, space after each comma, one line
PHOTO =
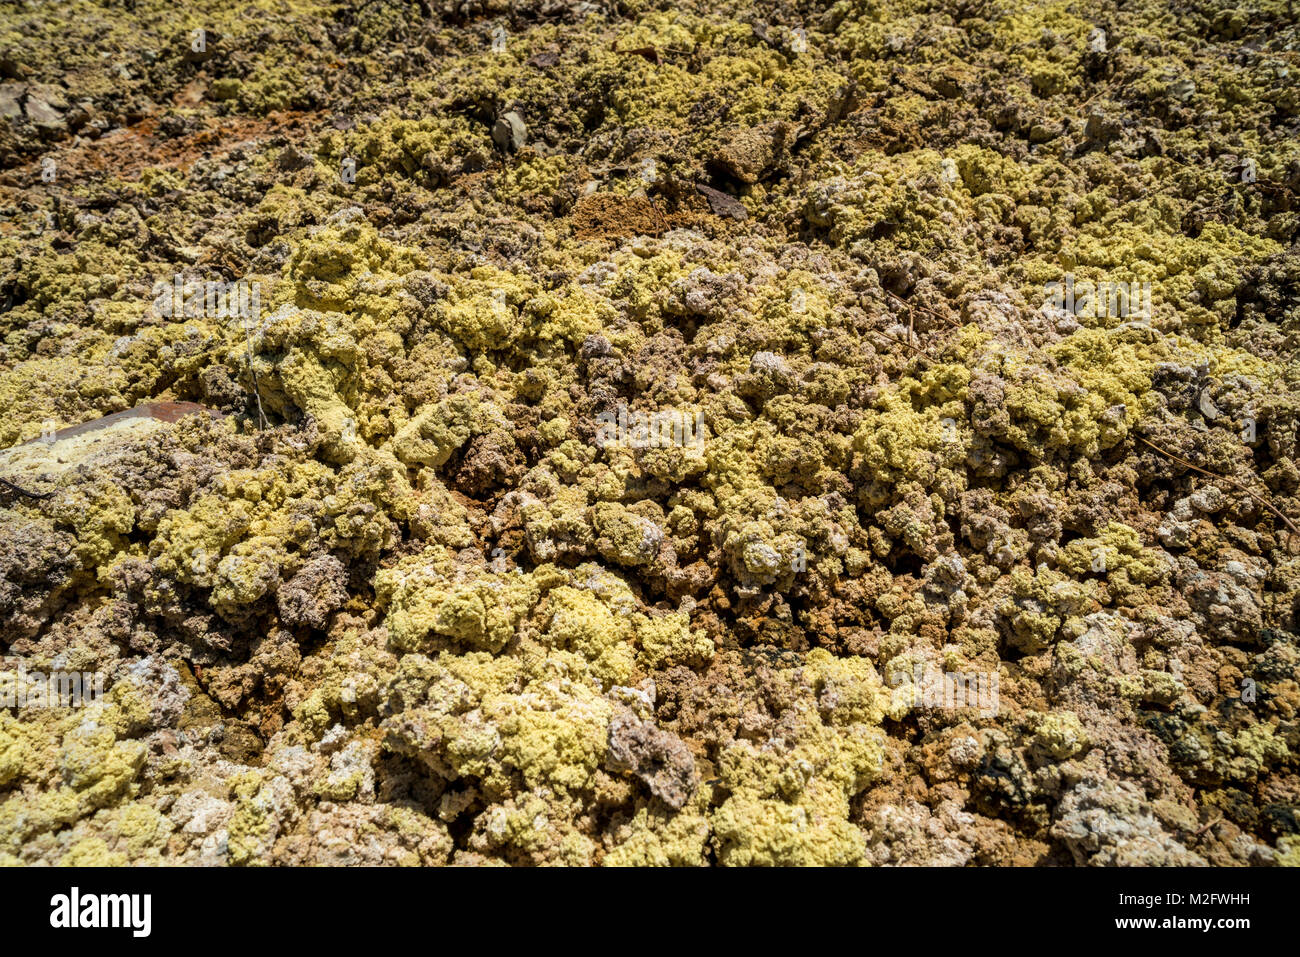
[(401, 600)]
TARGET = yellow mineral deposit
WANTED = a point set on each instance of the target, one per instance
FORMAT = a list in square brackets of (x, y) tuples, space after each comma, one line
[(731, 434)]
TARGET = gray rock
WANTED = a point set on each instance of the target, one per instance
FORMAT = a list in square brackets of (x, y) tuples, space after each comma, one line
[(722, 204), (657, 757), (319, 588), (42, 113), (509, 132), (1108, 823), (11, 95)]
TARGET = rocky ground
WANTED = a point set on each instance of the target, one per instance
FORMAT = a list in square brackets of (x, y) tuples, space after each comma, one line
[(387, 592)]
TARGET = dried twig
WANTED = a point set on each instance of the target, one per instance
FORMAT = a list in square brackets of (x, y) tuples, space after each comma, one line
[(946, 320), (915, 350), (649, 53), (1223, 478), (1205, 827), (22, 491), (911, 317), (252, 368)]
